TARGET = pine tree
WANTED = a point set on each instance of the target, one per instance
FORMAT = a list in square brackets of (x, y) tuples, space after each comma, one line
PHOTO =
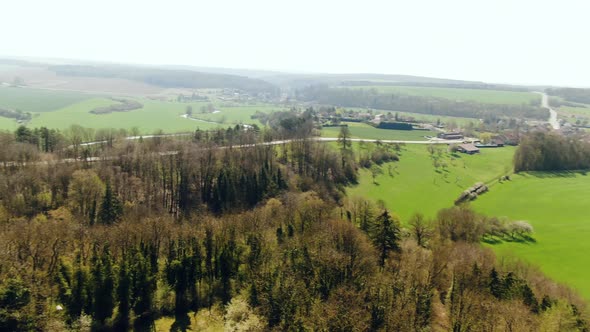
[(123, 299), (386, 234), (111, 208), (496, 285), (103, 281), (80, 301), (529, 299)]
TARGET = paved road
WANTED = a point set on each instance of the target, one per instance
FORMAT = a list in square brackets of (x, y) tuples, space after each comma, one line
[(552, 113), (277, 142)]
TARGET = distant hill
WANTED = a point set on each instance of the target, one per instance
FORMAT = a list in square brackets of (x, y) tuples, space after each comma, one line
[(169, 78)]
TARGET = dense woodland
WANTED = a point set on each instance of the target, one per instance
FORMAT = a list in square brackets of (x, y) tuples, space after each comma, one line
[(371, 98), (540, 151), (571, 94), (169, 226)]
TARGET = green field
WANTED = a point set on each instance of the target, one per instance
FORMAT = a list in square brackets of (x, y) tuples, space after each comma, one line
[(422, 117), (558, 206), (59, 109), (37, 100), (153, 116), (477, 95), (568, 111), (363, 130), (417, 187), (8, 124)]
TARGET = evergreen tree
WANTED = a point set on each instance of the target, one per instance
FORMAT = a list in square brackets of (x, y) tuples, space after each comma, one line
[(103, 281), (496, 284), (111, 208), (386, 234), (123, 296)]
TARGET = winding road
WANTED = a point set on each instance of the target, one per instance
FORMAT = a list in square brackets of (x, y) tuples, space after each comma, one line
[(552, 113)]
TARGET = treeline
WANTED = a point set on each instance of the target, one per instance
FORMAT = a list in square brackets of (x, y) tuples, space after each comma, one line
[(449, 85), (170, 78), (395, 125), (15, 114), (124, 105), (540, 151), (371, 98), (571, 94)]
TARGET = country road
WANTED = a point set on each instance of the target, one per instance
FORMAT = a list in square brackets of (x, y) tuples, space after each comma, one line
[(552, 113), (277, 142)]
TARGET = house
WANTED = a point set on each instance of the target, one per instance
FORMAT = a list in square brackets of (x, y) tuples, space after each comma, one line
[(468, 148), (450, 135)]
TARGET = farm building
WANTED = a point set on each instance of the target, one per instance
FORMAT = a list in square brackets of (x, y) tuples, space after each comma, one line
[(451, 135), (468, 148)]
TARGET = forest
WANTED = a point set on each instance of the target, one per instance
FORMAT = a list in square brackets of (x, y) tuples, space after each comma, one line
[(370, 98), (541, 151), (571, 94), (170, 78), (115, 236)]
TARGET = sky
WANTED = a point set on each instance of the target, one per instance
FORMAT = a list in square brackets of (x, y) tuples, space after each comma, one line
[(500, 41)]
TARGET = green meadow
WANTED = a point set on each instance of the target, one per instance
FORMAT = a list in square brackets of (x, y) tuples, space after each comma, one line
[(568, 111), (363, 130), (414, 184), (61, 109), (477, 95), (38, 100), (422, 117), (557, 205), (155, 115)]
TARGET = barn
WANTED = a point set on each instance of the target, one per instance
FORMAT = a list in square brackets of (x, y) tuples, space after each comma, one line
[(468, 148)]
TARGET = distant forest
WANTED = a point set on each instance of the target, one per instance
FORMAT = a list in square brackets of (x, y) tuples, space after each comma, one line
[(169, 78), (453, 85), (371, 98), (571, 94)]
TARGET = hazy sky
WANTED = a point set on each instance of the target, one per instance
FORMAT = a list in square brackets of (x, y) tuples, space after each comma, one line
[(512, 41)]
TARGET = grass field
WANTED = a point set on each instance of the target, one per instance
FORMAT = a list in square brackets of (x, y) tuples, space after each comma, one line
[(417, 187), (567, 111), (37, 100), (557, 205), (362, 130), (481, 96), (153, 116), (59, 109), (8, 124), (423, 117)]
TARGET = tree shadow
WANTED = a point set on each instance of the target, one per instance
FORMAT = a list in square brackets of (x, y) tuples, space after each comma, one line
[(181, 323), (491, 240), (522, 239), (554, 174)]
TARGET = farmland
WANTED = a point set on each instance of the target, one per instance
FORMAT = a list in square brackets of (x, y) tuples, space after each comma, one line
[(416, 186), (38, 100), (363, 130), (477, 95), (421, 117), (556, 204), (58, 109), (568, 111)]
